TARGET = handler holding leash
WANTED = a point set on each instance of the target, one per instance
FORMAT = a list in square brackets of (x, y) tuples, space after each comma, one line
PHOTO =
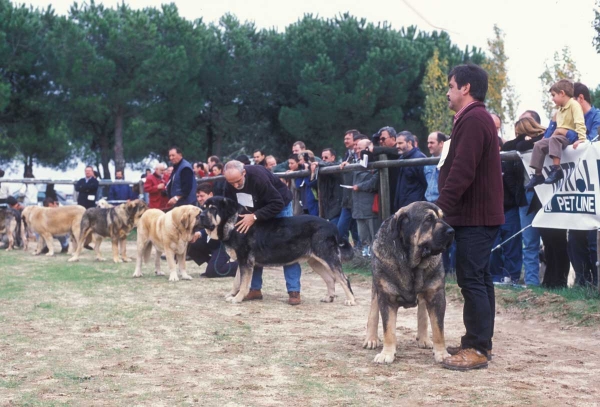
[(471, 197), (266, 197)]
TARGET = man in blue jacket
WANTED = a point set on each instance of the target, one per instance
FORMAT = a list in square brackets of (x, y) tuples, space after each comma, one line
[(182, 184), (120, 192), (412, 183)]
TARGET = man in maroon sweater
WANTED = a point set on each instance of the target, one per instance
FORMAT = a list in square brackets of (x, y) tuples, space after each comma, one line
[(471, 197)]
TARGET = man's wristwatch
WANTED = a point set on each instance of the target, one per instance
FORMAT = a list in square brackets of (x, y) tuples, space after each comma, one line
[(254, 217)]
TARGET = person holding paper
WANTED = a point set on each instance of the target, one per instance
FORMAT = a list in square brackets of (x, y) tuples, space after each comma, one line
[(266, 197), (86, 188)]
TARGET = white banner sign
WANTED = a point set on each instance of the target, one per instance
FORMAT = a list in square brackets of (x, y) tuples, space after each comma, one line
[(571, 203)]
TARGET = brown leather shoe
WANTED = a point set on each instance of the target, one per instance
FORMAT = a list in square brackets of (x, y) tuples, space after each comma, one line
[(453, 350), (294, 298), (466, 359), (253, 295)]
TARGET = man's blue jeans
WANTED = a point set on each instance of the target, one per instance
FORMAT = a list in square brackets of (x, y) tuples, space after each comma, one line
[(291, 272), (507, 261), (347, 224), (531, 244)]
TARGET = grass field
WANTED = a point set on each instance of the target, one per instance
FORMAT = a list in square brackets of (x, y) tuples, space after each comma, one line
[(86, 333)]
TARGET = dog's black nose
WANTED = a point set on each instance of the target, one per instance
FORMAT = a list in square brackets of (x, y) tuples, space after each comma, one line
[(450, 232)]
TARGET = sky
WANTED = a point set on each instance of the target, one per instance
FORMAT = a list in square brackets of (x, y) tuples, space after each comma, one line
[(534, 29)]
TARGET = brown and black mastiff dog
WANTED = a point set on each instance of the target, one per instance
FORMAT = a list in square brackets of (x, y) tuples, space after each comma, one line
[(114, 223), (407, 269)]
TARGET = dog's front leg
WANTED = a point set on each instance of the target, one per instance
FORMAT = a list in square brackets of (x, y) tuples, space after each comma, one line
[(389, 312), (245, 275), (182, 266), (172, 266), (236, 286), (436, 305), (423, 340), (157, 263), (123, 244), (372, 340), (115, 250)]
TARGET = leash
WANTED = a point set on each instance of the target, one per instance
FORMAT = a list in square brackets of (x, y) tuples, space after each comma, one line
[(510, 238)]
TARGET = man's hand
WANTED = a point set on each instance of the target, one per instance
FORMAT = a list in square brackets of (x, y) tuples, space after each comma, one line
[(577, 143), (342, 165), (244, 225), (160, 186), (173, 201), (355, 187), (195, 237)]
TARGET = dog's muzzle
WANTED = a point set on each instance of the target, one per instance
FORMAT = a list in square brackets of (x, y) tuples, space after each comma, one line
[(205, 222)]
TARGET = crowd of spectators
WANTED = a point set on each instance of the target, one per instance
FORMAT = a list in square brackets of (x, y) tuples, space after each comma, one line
[(350, 199)]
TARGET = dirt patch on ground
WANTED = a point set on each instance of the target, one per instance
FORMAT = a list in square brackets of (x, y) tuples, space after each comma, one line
[(88, 334)]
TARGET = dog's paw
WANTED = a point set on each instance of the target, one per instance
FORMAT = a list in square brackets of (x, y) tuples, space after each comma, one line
[(50, 254), (71, 259), (385, 357), (328, 298), (350, 302), (137, 274), (186, 276), (101, 259), (424, 343), (159, 273), (440, 356), (126, 259), (173, 277), (371, 343), (237, 299), (117, 260)]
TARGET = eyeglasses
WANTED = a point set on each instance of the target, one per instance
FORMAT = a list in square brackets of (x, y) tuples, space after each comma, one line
[(383, 138)]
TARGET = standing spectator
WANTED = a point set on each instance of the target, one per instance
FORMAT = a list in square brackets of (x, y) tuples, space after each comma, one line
[(120, 192), (296, 148), (365, 184), (411, 185), (582, 243), (387, 145), (182, 184), (330, 193), (470, 187), (212, 160), (498, 125), (267, 198), (155, 186), (4, 190), (220, 185), (507, 260), (87, 188), (28, 192), (296, 185), (435, 144), (311, 201), (271, 162), (259, 158), (243, 159), (528, 131), (212, 252), (346, 223)]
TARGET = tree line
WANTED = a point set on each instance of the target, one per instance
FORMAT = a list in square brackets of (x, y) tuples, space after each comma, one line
[(123, 84)]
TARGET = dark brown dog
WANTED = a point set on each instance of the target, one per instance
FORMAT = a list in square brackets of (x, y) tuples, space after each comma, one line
[(407, 269)]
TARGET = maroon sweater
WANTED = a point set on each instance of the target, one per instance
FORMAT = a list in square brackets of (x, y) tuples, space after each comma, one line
[(470, 181)]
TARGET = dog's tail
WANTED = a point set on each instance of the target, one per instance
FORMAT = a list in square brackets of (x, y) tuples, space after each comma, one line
[(346, 250)]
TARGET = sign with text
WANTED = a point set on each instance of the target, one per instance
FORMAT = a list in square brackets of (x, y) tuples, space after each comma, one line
[(571, 203)]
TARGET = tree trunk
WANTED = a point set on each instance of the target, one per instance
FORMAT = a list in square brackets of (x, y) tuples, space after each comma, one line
[(105, 155), (28, 167), (119, 157), (210, 134)]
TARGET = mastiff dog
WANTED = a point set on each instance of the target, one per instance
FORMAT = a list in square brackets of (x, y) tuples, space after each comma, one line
[(169, 233), (278, 242), (10, 225), (408, 270), (50, 222), (115, 223)]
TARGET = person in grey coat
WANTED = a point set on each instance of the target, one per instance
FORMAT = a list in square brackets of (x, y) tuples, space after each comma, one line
[(365, 184)]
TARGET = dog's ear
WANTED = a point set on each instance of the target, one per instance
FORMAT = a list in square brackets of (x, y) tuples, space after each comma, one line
[(399, 222)]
